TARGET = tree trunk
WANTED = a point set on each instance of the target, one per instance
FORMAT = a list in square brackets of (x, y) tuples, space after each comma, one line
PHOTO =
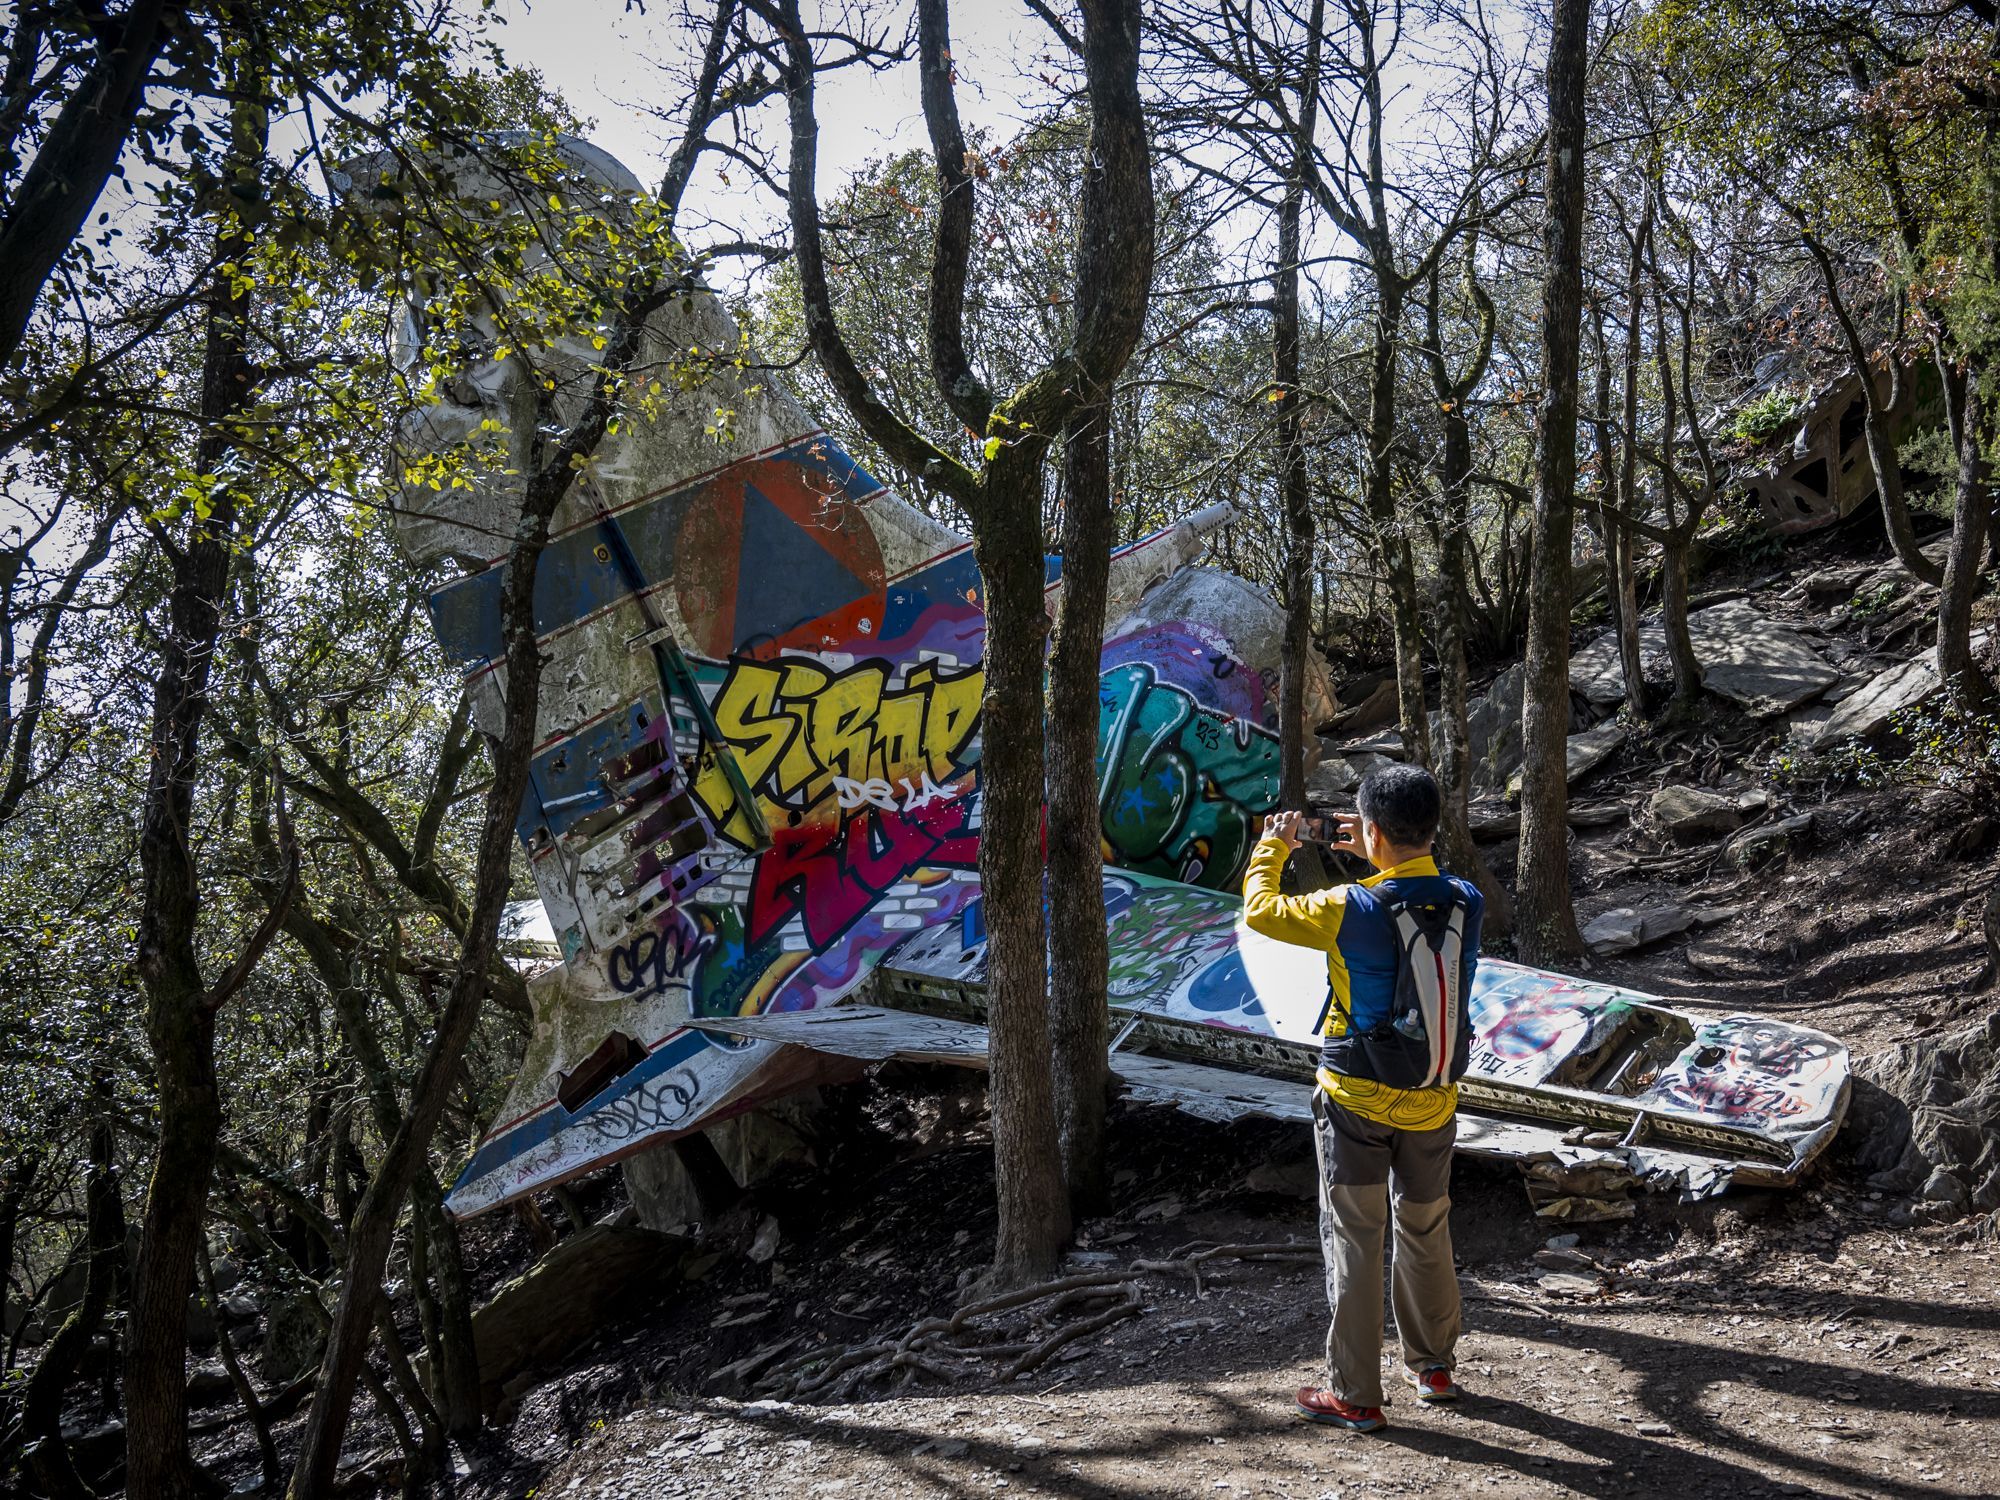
[(18, 1178), (246, 1393), (1619, 526), (180, 1010), (1295, 654), (1079, 952), (1545, 917), (1027, 1160), (1674, 619), (1962, 572), (41, 1402), (1391, 543), (454, 1361), (1453, 754), (373, 1226), (1113, 284), (444, 1301), (72, 164)]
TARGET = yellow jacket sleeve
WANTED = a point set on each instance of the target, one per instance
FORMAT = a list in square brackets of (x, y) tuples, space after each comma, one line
[(1311, 921)]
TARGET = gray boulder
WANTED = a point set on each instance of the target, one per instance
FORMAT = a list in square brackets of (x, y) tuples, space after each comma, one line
[(1586, 752), (1331, 779), (1867, 712), (1753, 661), (1624, 928), (1745, 657), (1687, 814), (1493, 730), (1934, 1102), (1242, 615), (294, 1332), (1759, 845)]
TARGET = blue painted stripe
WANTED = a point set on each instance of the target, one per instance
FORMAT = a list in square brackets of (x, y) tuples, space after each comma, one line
[(497, 1150), (579, 574)]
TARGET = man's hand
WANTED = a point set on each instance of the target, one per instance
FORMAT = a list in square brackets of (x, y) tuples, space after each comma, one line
[(1283, 826)]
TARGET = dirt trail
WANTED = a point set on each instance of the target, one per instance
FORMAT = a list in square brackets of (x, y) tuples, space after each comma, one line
[(1805, 1343), (1864, 1365)]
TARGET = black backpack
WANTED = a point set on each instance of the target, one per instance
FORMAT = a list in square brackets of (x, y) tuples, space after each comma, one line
[(1425, 1040)]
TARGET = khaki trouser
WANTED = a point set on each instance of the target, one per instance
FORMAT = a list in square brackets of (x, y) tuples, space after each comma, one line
[(1358, 1158)]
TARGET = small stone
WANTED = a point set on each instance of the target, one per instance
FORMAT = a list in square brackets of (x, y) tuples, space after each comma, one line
[(1568, 1284), (1655, 1429), (765, 1245), (1755, 846), (1943, 1186), (1624, 928)]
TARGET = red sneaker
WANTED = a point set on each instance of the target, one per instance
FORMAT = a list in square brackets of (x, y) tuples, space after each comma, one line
[(1318, 1405), (1433, 1385)]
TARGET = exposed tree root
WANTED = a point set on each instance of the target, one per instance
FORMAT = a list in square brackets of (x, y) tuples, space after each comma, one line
[(949, 1348)]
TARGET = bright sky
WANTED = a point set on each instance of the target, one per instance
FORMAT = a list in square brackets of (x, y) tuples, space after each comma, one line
[(605, 58)]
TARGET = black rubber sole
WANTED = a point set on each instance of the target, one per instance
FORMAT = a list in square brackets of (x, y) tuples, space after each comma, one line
[(1346, 1424)]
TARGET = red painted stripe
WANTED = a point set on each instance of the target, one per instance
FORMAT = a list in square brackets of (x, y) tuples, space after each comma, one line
[(1443, 994)]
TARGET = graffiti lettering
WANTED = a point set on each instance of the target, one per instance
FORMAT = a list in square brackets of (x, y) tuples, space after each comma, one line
[(655, 955), (878, 793), (1179, 786), (833, 875), (798, 730)]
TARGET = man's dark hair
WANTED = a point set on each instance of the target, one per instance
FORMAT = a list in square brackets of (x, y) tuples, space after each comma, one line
[(1403, 802)]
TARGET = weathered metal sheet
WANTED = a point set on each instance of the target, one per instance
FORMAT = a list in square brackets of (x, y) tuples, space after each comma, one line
[(1736, 1096)]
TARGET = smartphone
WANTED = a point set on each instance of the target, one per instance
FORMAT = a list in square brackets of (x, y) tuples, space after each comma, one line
[(1321, 829)]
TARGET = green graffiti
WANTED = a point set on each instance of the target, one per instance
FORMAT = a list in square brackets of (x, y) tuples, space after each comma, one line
[(1180, 787)]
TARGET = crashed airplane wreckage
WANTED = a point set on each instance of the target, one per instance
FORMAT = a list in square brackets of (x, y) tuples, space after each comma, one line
[(754, 815)]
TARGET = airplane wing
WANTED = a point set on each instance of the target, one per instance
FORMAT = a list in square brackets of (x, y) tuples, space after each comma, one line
[(1217, 1020)]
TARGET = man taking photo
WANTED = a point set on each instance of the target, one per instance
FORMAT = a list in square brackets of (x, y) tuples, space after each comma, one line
[(1401, 947)]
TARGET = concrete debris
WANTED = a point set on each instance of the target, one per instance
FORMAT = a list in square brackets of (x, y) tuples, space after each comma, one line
[(1582, 1192), (1587, 751)]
